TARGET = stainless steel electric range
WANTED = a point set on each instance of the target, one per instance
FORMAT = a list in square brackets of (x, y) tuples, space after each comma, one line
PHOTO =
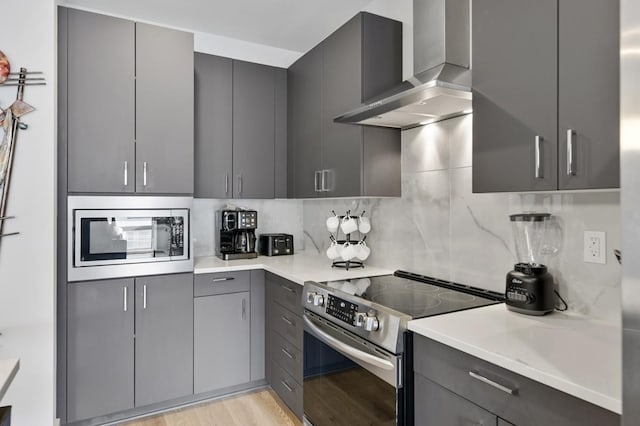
[(357, 352)]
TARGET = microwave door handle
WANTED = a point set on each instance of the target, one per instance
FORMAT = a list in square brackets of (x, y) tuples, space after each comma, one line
[(349, 350)]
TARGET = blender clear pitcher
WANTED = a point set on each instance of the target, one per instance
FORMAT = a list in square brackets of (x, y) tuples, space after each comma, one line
[(529, 234)]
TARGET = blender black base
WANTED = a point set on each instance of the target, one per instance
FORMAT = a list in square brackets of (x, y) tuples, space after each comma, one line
[(529, 311)]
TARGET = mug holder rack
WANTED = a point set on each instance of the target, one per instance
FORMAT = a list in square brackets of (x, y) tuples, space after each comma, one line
[(347, 264)]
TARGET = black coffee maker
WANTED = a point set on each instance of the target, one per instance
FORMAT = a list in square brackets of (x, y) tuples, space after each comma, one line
[(236, 234), (530, 289)]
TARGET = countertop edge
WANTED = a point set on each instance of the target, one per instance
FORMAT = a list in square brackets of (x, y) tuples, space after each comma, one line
[(609, 403), (13, 370)]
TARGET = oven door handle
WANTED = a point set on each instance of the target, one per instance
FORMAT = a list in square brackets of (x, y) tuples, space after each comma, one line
[(379, 362)]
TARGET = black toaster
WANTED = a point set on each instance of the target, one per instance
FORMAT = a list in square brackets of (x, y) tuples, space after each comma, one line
[(275, 244)]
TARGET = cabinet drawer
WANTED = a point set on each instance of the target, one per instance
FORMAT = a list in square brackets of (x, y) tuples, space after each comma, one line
[(287, 356), (435, 405), (285, 292), (287, 389), (287, 324), (221, 283), (531, 403)]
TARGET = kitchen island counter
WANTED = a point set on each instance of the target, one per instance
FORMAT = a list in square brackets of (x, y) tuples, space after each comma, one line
[(569, 352)]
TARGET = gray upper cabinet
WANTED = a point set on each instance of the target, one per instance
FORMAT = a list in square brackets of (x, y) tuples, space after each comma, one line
[(545, 95), (100, 346), (130, 109), (101, 103), (164, 110), (164, 338), (213, 126), (327, 159), (304, 153), (240, 129), (253, 130), (589, 88), (515, 95)]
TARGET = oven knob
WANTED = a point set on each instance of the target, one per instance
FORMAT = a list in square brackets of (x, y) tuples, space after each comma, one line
[(367, 321), (315, 299)]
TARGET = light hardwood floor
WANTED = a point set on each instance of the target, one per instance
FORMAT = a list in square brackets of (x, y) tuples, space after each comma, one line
[(259, 408)]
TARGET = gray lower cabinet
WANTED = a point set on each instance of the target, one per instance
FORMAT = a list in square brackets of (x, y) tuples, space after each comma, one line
[(129, 109), (453, 387), (129, 343), (545, 95), (240, 129), (327, 159), (164, 338), (101, 102), (100, 348), (439, 407), (284, 340)]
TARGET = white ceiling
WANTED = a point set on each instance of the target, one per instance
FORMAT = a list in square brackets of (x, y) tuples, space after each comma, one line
[(295, 25)]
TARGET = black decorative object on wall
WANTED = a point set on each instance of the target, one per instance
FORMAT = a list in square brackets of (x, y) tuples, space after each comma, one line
[(10, 124)]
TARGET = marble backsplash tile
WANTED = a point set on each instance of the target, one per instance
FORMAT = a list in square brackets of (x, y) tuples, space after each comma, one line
[(440, 228)]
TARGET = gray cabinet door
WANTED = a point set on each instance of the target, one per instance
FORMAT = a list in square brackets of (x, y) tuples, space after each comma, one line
[(515, 69), (258, 328), (164, 338), (100, 348), (100, 103), (589, 86), (222, 341), (342, 91), (213, 126), (253, 130), (280, 162), (164, 110), (435, 405), (304, 81)]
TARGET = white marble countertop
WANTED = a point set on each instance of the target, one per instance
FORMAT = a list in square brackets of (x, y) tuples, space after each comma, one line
[(8, 369), (568, 352), (298, 268)]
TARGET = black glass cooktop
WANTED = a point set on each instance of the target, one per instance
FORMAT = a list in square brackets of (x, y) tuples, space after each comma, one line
[(416, 295)]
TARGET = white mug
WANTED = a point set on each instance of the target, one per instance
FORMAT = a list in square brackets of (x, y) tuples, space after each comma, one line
[(362, 251), (364, 225), (332, 224), (348, 251), (348, 225), (333, 252)]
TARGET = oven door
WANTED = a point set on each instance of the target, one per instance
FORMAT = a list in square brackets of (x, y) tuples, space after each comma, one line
[(348, 381)]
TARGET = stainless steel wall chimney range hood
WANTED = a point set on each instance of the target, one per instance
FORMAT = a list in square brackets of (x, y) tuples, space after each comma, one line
[(441, 86)]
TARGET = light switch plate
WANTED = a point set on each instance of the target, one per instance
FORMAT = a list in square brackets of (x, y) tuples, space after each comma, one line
[(595, 247)]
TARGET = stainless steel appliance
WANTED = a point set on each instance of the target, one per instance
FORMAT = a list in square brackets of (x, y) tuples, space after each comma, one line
[(275, 244), (630, 200), (236, 234), (530, 288), (357, 351), (112, 236)]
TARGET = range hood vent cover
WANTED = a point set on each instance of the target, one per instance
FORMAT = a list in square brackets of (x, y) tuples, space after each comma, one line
[(441, 87)]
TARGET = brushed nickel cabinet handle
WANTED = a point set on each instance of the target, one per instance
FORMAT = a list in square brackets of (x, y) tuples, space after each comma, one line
[(287, 320), (538, 159), (287, 353), (144, 296), (144, 174), (571, 170), (217, 280), (325, 178), (316, 181), (492, 383), (286, 385), (290, 290), (226, 183), (126, 173), (244, 309), (124, 298)]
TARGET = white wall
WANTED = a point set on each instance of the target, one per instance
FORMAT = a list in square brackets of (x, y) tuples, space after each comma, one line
[(27, 266)]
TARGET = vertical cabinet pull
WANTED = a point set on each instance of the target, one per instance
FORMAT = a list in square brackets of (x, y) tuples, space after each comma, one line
[(316, 181), (537, 159), (571, 169), (325, 175), (126, 173), (239, 184), (244, 309), (124, 298), (144, 174), (226, 183), (144, 296)]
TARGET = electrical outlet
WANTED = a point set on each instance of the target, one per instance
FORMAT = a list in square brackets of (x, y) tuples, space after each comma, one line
[(595, 247)]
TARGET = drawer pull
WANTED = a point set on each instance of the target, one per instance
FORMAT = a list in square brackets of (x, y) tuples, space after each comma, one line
[(288, 321), (287, 353), (286, 385), (492, 383), (218, 280), (290, 290)]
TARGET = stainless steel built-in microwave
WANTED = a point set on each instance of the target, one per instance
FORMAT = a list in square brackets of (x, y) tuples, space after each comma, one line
[(112, 237)]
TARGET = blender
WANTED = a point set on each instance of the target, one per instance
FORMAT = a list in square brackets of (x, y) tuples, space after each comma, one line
[(530, 288)]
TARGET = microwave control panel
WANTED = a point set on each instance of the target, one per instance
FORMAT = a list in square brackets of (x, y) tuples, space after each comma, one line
[(342, 309)]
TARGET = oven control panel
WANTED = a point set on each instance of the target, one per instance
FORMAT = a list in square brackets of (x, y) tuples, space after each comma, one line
[(342, 309)]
